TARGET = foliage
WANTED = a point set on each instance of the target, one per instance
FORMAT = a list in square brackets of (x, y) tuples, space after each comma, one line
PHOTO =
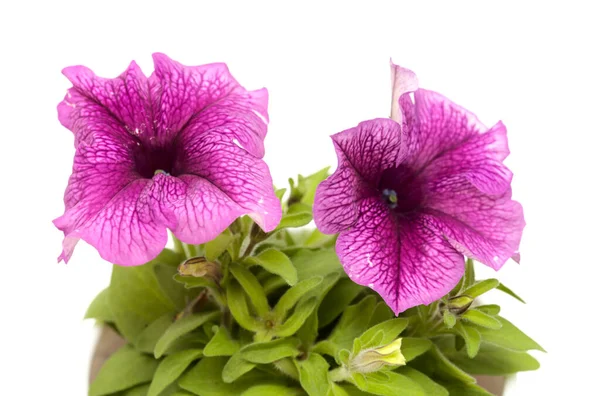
[(274, 314)]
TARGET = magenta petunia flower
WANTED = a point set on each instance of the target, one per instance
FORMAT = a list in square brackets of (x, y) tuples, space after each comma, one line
[(414, 194), (180, 150)]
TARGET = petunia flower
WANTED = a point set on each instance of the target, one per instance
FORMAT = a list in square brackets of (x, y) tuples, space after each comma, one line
[(413, 195), (178, 150)]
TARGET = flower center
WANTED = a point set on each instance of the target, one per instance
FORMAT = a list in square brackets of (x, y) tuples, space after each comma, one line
[(150, 161), (401, 190)]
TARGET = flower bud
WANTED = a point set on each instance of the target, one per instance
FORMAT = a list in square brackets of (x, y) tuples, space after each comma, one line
[(373, 359), (200, 267), (459, 304)]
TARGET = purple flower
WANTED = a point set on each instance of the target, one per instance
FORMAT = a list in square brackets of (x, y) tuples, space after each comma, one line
[(181, 150), (412, 196)]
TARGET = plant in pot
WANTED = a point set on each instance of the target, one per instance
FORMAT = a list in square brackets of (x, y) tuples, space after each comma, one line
[(380, 298)]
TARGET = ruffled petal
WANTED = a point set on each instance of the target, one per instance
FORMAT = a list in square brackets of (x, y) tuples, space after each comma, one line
[(101, 169), (478, 159), (481, 226), (193, 208), (183, 92), (405, 261), (435, 125), (120, 231), (245, 179), (403, 81), (118, 106), (363, 152), (235, 117)]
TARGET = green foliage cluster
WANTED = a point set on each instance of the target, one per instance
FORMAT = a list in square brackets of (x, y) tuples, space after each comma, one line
[(259, 314)]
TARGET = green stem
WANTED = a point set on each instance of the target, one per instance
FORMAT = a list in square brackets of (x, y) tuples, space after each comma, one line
[(339, 374)]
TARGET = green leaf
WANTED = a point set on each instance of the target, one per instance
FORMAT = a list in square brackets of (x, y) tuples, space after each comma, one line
[(191, 282), (309, 331), (316, 239), (238, 306), (280, 192), (178, 294), (511, 293), (381, 313), (213, 249), (428, 385), (387, 383), (193, 340), (236, 367), (446, 368), (449, 319), (181, 327), (273, 283), (268, 352), (205, 379), (462, 389), (311, 263), (471, 336), (276, 263), (221, 344), (350, 390), (308, 185), (298, 215), (340, 296), (494, 360), (146, 341), (481, 287), (135, 296), (292, 295), (509, 337), (490, 309), (313, 374), (171, 368), (481, 319), (99, 309), (413, 347), (141, 390), (297, 319), (272, 390), (124, 369), (353, 322), (326, 347), (252, 288), (391, 330)]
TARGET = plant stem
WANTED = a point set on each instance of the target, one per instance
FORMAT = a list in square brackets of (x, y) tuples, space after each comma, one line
[(339, 374)]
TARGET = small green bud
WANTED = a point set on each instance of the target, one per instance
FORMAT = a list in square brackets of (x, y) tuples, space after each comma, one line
[(373, 359), (459, 304), (200, 267)]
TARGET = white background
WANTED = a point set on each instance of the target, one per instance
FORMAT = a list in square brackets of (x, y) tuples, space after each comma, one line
[(532, 65)]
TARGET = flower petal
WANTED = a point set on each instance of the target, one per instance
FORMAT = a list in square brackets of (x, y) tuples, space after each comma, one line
[(119, 231), (118, 106), (182, 92), (363, 152), (101, 169), (193, 208), (478, 159), (435, 125), (481, 226), (236, 117), (403, 260), (403, 81), (244, 178)]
